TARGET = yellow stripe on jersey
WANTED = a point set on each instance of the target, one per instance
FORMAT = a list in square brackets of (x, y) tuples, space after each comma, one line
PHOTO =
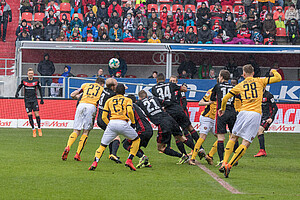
[(210, 110), (251, 91), (119, 107), (91, 93)]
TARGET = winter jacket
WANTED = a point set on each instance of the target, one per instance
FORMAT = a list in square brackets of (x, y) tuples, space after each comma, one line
[(94, 30), (157, 31), (102, 13), (46, 67), (257, 37), (114, 20), (152, 40), (179, 35), (269, 25), (115, 33), (191, 38), (66, 74), (93, 19), (253, 23), (51, 31), (230, 28), (205, 36), (189, 16), (277, 15), (240, 23), (73, 23), (172, 23), (140, 34), (7, 14), (291, 14), (137, 20), (21, 28), (38, 31), (151, 20), (117, 8), (203, 11)]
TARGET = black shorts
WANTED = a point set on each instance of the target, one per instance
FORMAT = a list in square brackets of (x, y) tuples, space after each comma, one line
[(228, 118), (264, 124), (145, 138), (31, 106), (166, 128), (178, 114), (100, 122)]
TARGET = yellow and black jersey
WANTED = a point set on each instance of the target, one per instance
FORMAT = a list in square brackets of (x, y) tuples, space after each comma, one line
[(210, 110), (119, 107), (251, 91), (91, 93), (238, 103)]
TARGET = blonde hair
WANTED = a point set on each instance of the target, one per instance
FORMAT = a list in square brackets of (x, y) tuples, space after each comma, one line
[(173, 76), (248, 69), (30, 69)]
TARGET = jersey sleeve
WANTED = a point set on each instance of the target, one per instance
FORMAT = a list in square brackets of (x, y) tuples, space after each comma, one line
[(175, 87), (274, 106), (130, 110), (106, 112), (269, 80), (154, 92), (233, 92), (213, 95), (19, 87), (206, 97)]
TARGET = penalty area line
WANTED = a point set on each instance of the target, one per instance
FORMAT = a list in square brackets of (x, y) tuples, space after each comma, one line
[(223, 183)]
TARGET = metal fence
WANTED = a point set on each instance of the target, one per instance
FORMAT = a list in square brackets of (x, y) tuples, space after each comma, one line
[(6, 68)]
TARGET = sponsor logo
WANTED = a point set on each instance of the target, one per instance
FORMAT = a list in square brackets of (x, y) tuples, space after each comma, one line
[(5, 123)]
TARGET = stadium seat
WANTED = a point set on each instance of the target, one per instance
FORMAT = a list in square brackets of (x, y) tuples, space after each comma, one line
[(107, 76), (274, 9), (68, 16), (65, 7), (163, 5), (286, 8), (27, 16), (175, 6), (165, 1), (237, 2), (266, 40), (137, 5), (237, 7), (82, 75), (54, 4), (192, 7), (38, 17), (130, 76), (80, 16), (211, 7), (150, 6), (280, 32), (224, 8), (195, 29), (55, 80)]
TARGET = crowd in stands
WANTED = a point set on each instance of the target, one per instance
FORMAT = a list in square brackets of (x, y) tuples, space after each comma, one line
[(180, 21)]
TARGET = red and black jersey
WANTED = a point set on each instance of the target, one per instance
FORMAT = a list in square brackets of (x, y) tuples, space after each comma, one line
[(219, 91), (269, 107), (30, 87), (181, 99), (166, 93), (141, 121)]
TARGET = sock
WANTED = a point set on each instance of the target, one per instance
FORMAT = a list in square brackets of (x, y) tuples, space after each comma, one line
[(186, 133), (221, 149), (115, 147), (110, 147), (228, 150), (82, 143), (213, 150), (197, 148), (238, 154), (38, 121), (189, 143), (195, 135), (180, 146), (170, 152), (126, 145), (140, 153), (99, 153), (236, 145), (72, 139), (135, 146), (261, 139), (31, 121)]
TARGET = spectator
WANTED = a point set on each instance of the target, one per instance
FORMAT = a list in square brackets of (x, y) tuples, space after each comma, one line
[(189, 18), (178, 17), (139, 19), (128, 9), (122, 68), (100, 74), (191, 37), (115, 33), (242, 21), (212, 74), (114, 7), (46, 68), (91, 18), (216, 13), (77, 21), (23, 26), (293, 31), (118, 74), (102, 30), (184, 75), (271, 41), (75, 37), (279, 15), (76, 6), (291, 13), (240, 13), (152, 19), (216, 28), (154, 39), (128, 23), (127, 36), (24, 36), (90, 37), (104, 38), (255, 66), (204, 69), (205, 20), (263, 14), (253, 24), (179, 35), (114, 19), (89, 5), (188, 66), (102, 13), (141, 8), (39, 6), (64, 20), (202, 11), (6, 16), (163, 13), (65, 31), (90, 27), (232, 67), (51, 31), (169, 21), (155, 30), (27, 6), (269, 26), (167, 39), (169, 30), (247, 4), (244, 32), (62, 37), (252, 12), (37, 38), (257, 37), (227, 2), (153, 75), (77, 29), (227, 13), (53, 7), (140, 33), (205, 36), (46, 20), (38, 30), (99, 2), (55, 92), (229, 27)]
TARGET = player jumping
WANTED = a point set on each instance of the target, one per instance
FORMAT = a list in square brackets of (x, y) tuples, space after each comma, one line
[(30, 97)]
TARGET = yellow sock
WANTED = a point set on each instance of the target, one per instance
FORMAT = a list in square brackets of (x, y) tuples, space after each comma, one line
[(72, 139), (214, 149), (239, 152), (82, 143), (228, 150), (135, 146), (197, 148), (99, 152)]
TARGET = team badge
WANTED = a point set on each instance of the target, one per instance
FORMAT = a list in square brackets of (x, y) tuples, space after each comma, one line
[(205, 128)]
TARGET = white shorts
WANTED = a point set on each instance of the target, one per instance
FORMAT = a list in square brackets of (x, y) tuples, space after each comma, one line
[(85, 116), (246, 125), (207, 125), (117, 127)]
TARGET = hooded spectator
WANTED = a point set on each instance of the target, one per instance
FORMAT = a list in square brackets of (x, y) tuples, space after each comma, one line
[(191, 37), (140, 33), (114, 7), (38, 30), (46, 68), (90, 27), (51, 31), (180, 34), (91, 18), (293, 31), (114, 19), (77, 21), (23, 26), (205, 36), (169, 21), (279, 15), (102, 13)]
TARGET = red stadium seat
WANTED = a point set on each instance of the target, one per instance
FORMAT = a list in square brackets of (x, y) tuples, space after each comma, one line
[(150, 6), (237, 7), (192, 7), (175, 6), (130, 76), (54, 4), (27, 16), (187, 29), (165, 1), (137, 5), (211, 7), (280, 32), (164, 5), (65, 7), (107, 76), (80, 16), (68, 16), (224, 8), (286, 8), (237, 2), (55, 80), (82, 75), (38, 17), (266, 40)]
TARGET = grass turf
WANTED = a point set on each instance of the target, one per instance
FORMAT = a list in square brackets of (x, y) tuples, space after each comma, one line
[(31, 168)]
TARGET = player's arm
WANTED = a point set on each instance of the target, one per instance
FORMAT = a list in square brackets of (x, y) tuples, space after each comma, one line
[(130, 111), (106, 112), (40, 91), (274, 107), (233, 92), (77, 93), (213, 96), (274, 79), (18, 89)]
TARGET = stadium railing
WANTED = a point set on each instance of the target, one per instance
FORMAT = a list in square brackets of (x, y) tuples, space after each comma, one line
[(6, 69)]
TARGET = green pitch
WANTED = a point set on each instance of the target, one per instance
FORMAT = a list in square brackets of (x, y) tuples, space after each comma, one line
[(31, 168)]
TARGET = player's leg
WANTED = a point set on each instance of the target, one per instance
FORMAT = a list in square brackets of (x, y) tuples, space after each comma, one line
[(29, 109), (72, 137), (261, 139), (221, 131), (81, 144), (38, 121), (113, 149), (197, 147)]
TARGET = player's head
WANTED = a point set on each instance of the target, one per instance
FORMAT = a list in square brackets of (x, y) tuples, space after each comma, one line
[(234, 81), (30, 73), (120, 89), (160, 78), (111, 83), (132, 97), (248, 71), (173, 79), (224, 75), (100, 81), (142, 94)]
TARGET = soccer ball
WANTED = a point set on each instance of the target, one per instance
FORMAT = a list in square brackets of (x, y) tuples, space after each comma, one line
[(114, 63)]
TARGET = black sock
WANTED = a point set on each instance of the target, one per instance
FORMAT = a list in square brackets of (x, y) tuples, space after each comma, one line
[(195, 135), (236, 145), (126, 145), (110, 147), (261, 139), (31, 121), (189, 143), (115, 146), (38, 120), (140, 153), (130, 156), (180, 146), (221, 150), (171, 152)]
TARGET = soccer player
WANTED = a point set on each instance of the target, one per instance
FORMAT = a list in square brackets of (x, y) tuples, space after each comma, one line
[(248, 119), (85, 115), (269, 110), (218, 92), (144, 130), (120, 109), (107, 93), (30, 97), (167, 126)]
